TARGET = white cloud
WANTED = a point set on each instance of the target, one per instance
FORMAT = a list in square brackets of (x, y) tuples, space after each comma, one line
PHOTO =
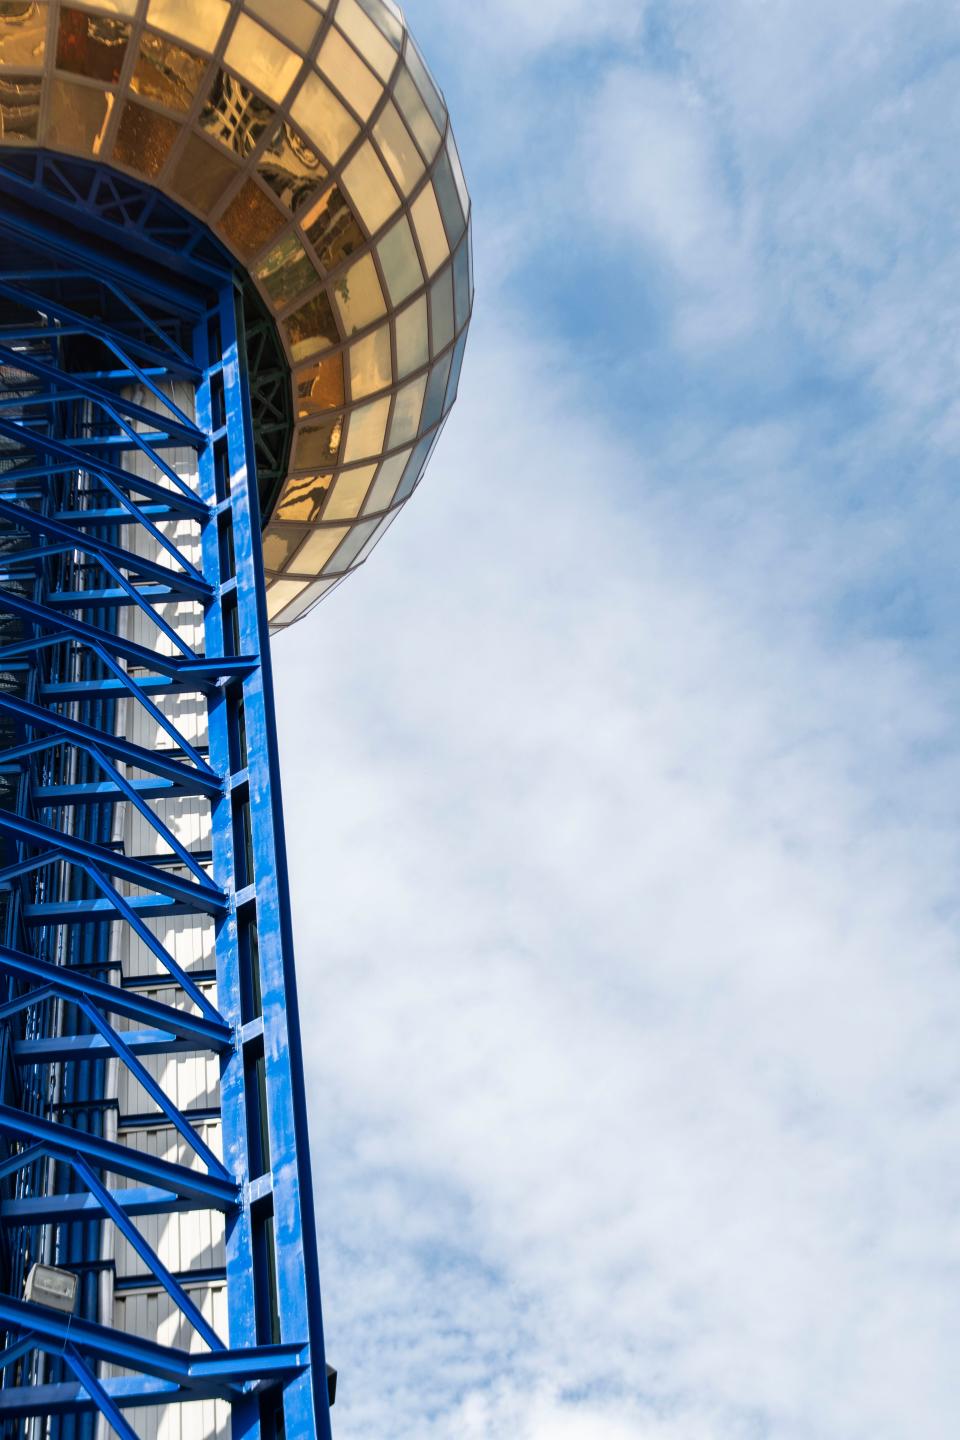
[(626, 948)]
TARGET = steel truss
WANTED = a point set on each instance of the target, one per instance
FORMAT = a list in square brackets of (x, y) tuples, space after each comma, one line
[(128, 502)]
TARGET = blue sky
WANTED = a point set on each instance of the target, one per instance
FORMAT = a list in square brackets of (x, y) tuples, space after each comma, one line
[(621, 783)]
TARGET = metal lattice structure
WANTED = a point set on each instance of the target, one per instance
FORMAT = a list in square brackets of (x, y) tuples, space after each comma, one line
[(152, 1124)]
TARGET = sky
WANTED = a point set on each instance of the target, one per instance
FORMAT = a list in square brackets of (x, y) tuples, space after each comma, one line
[(621, 783)]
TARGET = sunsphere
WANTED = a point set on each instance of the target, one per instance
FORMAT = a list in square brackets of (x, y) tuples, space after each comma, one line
[(235, 286)]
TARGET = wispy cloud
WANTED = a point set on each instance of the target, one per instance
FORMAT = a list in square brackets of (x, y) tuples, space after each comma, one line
[(620, 785)]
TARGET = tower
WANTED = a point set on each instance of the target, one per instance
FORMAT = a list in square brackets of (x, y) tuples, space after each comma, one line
[(235, 285)]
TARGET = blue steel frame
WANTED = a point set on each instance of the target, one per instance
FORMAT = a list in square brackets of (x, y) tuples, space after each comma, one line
[(80, 326)]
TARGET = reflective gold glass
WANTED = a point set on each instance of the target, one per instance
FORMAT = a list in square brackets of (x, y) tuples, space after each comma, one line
[(282, 593), (261, 58), (287, 272), (416, 115), (302, 497), (311, 328), (448, 198), (294, 172), (400, 262), (359, 296), (458, 176), (19, 106), (202, 174), (319, 548), (407, 409), (91, 45), (384, 19), (23, 32), (332, 229), (429, 228), (251, 220), (295, 19), (385, 487), (343, 67), (144, 139), (309, 597), (234, 115), (78, 117), (368, 425), (398, 149), (114, 7), (370, 187), (441, 310), (323, 119), (367, 38), (279, 545), (198, 21), (371, 368), (321, 387), (347, 495), (424, 83), (167, 73), (412, 348), (318, 445)]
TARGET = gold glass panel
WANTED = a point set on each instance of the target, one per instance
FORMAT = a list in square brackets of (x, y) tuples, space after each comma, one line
[(303, 497), (441, 310), (398, 149), (429, 228), (400, 262), (332, 229), (261, 58), (368, 426), (294, 172), (202, 175), (367, 38), (413, 350), (114, 7), (342, 65), (370, 188), (318, 445), (371, 368), (198, 21), (416, 115), (234, 115), (321, 387), (385, 20), (359, 297), (251, 220), (385, 487), (92, 45), (311, 328), (144, 139), (348, 494), (295, 19), (407, 409), (424, 83), (319, 548), (279, 545), (309, 597), (23, 33), (282, 593), (458, 177), (287, 272), (78, 117), (323, 119), (19, 106), (167, 73)]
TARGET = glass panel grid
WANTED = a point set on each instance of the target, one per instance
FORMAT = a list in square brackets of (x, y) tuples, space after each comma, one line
[(312, 138)]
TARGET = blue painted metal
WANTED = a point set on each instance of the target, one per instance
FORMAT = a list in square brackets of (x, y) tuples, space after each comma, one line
[(89, 323)]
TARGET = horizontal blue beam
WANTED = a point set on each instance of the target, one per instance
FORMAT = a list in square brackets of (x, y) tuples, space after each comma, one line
[(138, 1200), (113, 689), (60, 380), (106, 793), (66, 1048), (74, 986), (200, 898), (189, 777), (64, 1141), (112, 598), (95, 911), (230, 1371)]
